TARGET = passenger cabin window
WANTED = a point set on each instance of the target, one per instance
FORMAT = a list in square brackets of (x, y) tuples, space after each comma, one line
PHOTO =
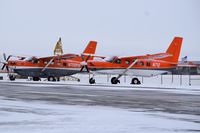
[(64, 64), (52, 62), (141, 63), (127, 62), (148, 64), (35, 61), (118, 61)]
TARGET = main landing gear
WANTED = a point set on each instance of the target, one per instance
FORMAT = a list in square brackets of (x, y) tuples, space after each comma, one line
[(53, 79), (115, 80), (135, 81), (36, 79), (50, 78)]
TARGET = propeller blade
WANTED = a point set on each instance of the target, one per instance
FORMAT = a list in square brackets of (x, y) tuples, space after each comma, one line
[(87, 68), (4, 56), (3, 67), (7, 68), (82, 68), (88, 58), (82, 57), (8, 58)]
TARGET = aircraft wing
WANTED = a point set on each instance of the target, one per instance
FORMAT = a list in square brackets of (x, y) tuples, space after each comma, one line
[(148, 56), (94, 55), (65, 56)]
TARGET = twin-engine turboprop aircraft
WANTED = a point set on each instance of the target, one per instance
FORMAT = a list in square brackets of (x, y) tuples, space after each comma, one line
[(51, 67), (144, 65), (68, 64)]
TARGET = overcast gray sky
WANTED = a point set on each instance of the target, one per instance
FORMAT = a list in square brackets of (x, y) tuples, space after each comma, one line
[(121, 27)]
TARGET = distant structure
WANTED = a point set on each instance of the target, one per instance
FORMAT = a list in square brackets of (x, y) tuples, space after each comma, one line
[(58, 48), (188, 68)]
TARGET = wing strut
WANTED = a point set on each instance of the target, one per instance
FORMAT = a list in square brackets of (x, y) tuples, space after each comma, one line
[(47, 64), (124, 72)]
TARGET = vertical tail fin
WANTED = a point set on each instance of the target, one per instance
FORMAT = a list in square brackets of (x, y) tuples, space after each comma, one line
[(174, 50), (91, 48)]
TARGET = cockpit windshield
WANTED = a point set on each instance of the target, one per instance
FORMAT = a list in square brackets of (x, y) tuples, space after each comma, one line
[(110, 58), (33, 59), (29, 59)]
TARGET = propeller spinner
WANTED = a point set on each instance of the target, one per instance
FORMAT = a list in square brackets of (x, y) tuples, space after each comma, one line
[(84, 62)]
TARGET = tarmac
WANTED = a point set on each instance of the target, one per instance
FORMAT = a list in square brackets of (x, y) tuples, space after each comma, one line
[(123, 97)]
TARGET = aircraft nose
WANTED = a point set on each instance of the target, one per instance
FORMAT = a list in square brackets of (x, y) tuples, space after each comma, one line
[(12, 63)]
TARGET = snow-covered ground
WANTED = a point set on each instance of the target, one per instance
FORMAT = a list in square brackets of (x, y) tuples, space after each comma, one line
[(164, 80), (23, 117)]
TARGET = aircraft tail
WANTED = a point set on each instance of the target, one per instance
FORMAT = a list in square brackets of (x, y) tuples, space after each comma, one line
[(91, 48), (174, 50)]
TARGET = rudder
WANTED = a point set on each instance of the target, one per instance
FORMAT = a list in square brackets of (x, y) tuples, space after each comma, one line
[(174, 49), (90, 49)]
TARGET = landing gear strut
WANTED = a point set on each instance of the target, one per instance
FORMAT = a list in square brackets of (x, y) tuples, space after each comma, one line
[(92, 81), (135, 81), (115, 80)]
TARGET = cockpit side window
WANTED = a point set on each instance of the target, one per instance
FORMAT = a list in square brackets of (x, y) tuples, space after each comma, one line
[(35, 61), (118, 61), (127, 62)]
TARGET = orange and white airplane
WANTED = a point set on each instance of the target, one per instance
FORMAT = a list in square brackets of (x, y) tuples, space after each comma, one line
[(143, 65), (51, 67)]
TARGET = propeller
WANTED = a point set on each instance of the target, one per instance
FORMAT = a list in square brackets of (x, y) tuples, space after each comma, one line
[(5, 64), (84, 62)]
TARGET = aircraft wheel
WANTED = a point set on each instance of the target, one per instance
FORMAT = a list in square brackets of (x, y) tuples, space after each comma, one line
[(36, 78), (12, 77), (135, 81), (114, 80), (51, 78), (92, 81)]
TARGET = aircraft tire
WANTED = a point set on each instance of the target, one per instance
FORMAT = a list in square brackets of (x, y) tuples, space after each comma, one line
[(12, 77), (51, 78), (135, 81), (114, 80), (92, 81)]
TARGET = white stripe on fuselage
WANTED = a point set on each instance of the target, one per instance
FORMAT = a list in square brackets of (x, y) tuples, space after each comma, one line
[(133, 72), (130, 72), (28, 67)]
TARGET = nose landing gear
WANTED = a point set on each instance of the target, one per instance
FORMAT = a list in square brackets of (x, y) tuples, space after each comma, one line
[(11, 77), (92, 81)]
